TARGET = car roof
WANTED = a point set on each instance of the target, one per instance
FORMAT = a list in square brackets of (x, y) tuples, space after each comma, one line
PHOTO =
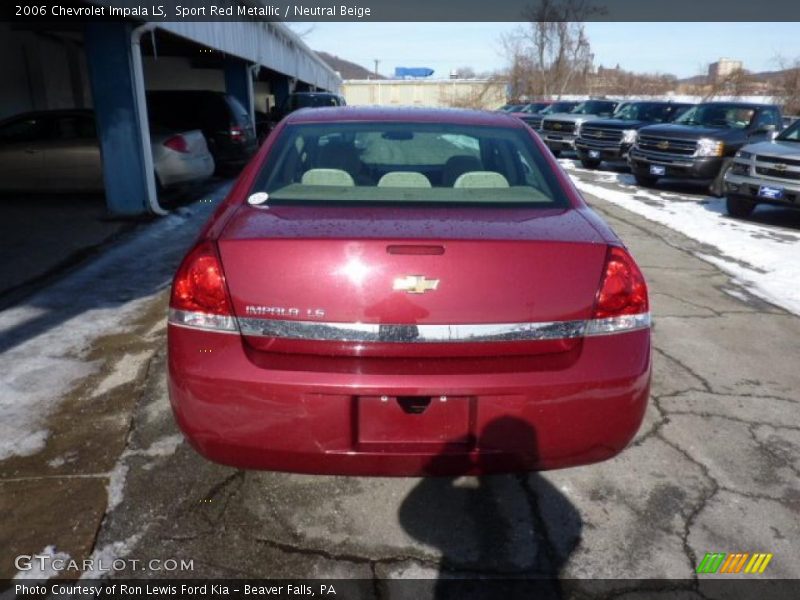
[(739, 104), (456, 116)]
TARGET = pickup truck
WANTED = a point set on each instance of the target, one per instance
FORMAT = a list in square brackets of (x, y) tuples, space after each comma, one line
[(559, 131), (768, 172), (611, 139), (534, 120), (701, 143)]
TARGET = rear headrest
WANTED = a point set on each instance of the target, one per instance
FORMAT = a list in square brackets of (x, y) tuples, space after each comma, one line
[(458, 165), (481, 179), (406, 179), (327, 177)]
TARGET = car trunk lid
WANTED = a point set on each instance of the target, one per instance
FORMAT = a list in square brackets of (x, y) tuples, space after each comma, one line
[(381, 281)]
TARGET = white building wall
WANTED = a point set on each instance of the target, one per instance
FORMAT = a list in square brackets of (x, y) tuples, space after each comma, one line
[(445, 92)]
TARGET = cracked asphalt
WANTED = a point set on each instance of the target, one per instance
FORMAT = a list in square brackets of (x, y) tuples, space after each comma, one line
[(714, 468)]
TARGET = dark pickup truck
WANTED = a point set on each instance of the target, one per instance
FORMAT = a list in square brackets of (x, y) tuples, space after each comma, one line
[(610, 139), (701, 143)]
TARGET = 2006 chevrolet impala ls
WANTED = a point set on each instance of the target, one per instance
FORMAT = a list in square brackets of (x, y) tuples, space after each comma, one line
[(407, 292)]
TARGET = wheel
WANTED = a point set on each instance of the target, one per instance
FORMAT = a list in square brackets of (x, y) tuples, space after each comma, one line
[(739, 207), (556, 153), (717, 187), (590, 163), (645, 180)]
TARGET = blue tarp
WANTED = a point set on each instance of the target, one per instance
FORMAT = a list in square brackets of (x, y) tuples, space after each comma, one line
[(403, 72)]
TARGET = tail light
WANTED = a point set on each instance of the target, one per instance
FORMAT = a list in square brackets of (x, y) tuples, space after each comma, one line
[(621, 302), (177, 143), (199, 293), (237, 133)]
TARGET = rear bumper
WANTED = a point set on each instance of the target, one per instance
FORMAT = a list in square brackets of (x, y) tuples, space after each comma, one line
[(701, 168), (248, 415), (176, 169)]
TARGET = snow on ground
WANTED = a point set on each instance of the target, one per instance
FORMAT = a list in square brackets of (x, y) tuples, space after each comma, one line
[(166, 446), (103, 560), (761, 258), (44, 340)]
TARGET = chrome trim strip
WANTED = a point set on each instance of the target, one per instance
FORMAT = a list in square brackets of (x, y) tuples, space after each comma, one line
[(488, 332)]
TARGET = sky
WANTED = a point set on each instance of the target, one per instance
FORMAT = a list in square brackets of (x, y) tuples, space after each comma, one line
[(682, 49)]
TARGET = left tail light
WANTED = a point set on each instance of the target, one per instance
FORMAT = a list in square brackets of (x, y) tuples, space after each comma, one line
[(237, 133), (199, 295), (622, 302), (177, 143)]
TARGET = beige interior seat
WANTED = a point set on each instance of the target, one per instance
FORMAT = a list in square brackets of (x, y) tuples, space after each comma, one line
[(481, 179), (404, 179), (327, 177)]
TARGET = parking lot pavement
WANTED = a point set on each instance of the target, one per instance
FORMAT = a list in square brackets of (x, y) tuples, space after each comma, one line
[(714, 468), (44, 235)]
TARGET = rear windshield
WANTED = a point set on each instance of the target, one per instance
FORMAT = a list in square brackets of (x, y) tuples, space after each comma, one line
[(378, 163)]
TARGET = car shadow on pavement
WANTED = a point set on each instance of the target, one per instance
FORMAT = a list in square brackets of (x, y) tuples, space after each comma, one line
[(497, 535)]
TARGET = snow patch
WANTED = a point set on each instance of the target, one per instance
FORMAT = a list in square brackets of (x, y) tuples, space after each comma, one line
[(166, 446), (109, 553), (116, 486), (43, 342), (125, 371)]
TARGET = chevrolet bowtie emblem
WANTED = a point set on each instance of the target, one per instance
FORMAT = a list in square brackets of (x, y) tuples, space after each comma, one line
[(663, 145), (415, 284), (556, 125), (780, 167)]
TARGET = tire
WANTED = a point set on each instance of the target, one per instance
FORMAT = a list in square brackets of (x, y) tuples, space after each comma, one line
[(739, 207), (556, 153), (645, 180), (717, 187), (590, 163)]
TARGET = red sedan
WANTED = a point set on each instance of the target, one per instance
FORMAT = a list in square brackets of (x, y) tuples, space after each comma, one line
[(407, 292)]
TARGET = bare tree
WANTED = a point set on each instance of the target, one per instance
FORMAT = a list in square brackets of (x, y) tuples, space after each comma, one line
[(465, 73), (733, 84), (550, 54), (786, 86), (487, 93)]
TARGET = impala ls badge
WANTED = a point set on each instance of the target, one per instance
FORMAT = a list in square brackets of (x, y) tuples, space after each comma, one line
[(415, 284)]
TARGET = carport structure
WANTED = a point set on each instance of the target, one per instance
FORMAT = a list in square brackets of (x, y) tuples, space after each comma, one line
[(257, 62)]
